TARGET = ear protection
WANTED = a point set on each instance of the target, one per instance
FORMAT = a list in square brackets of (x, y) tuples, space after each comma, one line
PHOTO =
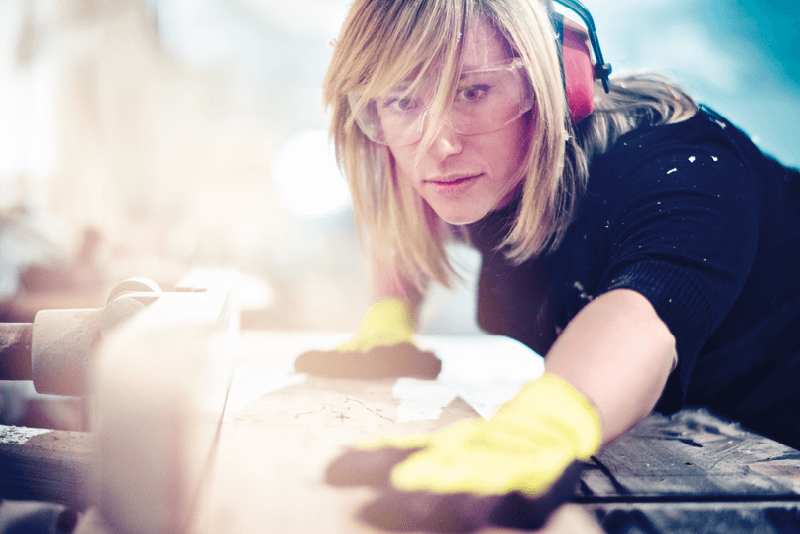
[(580, 71)]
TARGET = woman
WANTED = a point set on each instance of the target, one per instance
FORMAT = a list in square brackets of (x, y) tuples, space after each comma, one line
[(648, 250)]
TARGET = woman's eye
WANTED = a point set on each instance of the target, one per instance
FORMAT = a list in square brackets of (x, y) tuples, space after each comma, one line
[(400, 104), (473, 93), (405, 104)]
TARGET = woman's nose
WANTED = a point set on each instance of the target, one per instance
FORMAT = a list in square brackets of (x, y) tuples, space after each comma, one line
[(446, 142)]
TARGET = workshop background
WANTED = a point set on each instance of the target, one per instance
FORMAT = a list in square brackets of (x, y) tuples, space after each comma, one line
[(146, 137)]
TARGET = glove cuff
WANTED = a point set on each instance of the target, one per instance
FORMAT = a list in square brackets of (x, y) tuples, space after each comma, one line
[(555, 403), (392, 313)]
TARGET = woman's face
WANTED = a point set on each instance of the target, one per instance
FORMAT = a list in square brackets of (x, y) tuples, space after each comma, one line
[(464, 177)]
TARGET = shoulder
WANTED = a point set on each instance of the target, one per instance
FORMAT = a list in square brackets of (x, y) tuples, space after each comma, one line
[(703, 134), (703, 153)]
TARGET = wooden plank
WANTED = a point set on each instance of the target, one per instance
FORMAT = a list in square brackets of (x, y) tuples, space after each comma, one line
[(273, 454), (276, 441), (694, 455), (694, 472), (767, 517), (44, 465), (281, 430), (161, 381), (274, 448)]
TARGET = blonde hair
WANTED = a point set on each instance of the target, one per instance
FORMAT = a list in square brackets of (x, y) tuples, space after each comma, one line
[(383, 42)]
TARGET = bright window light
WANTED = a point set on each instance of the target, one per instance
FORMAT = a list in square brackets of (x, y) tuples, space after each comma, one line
[(306, 174)]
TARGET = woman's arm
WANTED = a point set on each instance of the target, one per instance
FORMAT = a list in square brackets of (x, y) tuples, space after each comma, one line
[(391, 319), (618, 353), (389, 282)]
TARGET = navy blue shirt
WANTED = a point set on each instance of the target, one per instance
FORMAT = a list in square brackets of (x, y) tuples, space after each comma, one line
[(695, 218)]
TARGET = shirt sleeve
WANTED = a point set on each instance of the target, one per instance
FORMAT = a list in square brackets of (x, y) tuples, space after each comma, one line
[(683, 232)]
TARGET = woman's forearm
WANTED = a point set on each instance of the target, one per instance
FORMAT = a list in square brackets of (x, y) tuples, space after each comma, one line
[(619, 354), (389, 282)]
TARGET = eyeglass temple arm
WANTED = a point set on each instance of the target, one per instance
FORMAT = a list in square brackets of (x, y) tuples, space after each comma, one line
[(601, 69)]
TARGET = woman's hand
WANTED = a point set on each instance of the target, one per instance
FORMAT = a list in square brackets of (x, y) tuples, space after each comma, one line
[(512, 470), (387, 322), (384, 346)]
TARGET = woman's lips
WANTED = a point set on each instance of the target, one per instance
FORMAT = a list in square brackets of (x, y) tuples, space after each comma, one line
[(454, 185)]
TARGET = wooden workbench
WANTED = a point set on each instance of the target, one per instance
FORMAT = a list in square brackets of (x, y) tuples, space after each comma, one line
[(690, 473)]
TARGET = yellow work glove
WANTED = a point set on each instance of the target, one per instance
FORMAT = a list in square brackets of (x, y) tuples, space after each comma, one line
[(384, 346), (387, 322), (511, 471)]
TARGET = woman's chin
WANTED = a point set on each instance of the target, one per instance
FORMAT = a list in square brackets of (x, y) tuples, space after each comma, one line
[(461, 219)]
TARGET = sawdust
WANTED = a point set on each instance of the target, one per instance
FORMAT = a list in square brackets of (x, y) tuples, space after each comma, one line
[(19, 435)]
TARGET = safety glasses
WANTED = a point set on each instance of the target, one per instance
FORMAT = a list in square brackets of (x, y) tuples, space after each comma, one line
[(486, 99)]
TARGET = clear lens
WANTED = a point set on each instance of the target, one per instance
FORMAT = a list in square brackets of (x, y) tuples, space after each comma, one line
[(486, 100)]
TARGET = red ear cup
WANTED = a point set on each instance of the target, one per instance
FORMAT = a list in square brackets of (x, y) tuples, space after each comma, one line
[(578, 71)]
